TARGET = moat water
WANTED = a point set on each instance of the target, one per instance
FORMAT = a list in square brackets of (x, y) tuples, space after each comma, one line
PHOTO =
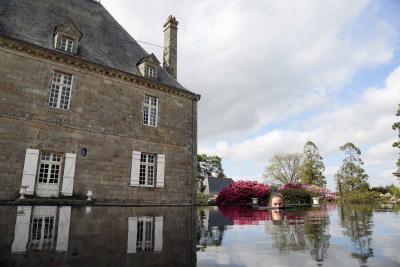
[(202, 236)]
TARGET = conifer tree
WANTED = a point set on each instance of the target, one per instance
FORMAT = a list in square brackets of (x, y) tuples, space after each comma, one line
[(351, 174), (312, 170)]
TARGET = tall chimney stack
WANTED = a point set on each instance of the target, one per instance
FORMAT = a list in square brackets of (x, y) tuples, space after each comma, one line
[(170, 46)]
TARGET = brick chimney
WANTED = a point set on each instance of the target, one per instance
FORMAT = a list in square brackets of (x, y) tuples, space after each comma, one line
[(170, 46)]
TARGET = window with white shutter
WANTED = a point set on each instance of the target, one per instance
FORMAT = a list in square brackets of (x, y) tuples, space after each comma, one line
[(147, 169), (160, 170), (145, 234), (63, 228), (21, 234), (135, 168), (29, 172), (69, 175)]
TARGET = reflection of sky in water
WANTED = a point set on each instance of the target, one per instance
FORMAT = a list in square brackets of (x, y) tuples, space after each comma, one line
[(360, 238), (229, 236)]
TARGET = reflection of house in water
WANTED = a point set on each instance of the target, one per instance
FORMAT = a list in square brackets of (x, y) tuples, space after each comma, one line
[(145, 234), (211, 227), (54, 236), (41, 228)]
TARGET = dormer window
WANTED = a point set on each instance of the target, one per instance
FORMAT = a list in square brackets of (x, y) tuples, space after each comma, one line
[(148, 66), (67, 37), (150, 72), (66, 44)]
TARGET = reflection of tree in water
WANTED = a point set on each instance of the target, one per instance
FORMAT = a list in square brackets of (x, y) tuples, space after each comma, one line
[(316, 228), (302, 230), (358, 223)]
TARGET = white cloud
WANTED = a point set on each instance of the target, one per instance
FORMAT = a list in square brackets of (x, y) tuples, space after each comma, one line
[(260, 62), (366, 122)]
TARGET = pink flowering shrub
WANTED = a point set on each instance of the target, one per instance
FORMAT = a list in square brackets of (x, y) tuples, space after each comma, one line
[(241, 192), (291, 186), (244, 215), (314, 190)]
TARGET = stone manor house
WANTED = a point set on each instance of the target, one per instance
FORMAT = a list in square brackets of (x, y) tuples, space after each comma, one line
[(84, 107)]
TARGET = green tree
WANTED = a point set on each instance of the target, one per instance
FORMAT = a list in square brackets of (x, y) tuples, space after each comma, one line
[(312, 169), (284, 168), (351, 174), (396, 127), (208, 166)]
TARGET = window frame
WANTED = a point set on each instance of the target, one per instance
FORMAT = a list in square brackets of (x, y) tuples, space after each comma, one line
[(143, 224), (60, 90), (68, 40), (51, 166), (147, 110), (42, 233), (147, 165), (150, 72)]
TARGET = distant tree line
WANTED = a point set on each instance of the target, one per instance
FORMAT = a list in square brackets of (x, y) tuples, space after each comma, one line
[(308, 167)]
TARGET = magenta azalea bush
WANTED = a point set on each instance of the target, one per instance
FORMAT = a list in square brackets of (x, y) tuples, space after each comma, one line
[(241, 192)]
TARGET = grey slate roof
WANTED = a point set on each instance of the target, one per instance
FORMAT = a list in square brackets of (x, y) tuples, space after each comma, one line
[(217, 184), (104, 41)]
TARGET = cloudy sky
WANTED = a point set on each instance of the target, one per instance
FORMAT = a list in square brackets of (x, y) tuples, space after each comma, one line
[(275, 74)]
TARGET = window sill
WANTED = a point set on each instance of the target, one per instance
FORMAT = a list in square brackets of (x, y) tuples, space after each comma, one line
[(59, 109), (144, 186)]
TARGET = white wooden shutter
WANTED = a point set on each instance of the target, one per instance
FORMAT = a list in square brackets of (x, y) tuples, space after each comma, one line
[(21, 234), (69, 174), (160, 170), (132, 234), (158, 112), (135, 169), (63, 228), (158, 234), (30, 167)]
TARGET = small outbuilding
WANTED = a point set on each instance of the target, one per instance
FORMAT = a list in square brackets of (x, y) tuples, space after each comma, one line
[(214, 185)]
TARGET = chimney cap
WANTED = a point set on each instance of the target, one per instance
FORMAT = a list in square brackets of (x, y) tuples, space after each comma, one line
[(172, 21)]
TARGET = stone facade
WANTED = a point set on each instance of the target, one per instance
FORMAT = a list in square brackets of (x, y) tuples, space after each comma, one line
[(105, 116)]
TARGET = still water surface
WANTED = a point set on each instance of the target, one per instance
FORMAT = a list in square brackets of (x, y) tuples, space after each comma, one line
[(186, 236)]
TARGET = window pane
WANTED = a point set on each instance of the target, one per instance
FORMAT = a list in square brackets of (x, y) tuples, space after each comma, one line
[(142, 174)]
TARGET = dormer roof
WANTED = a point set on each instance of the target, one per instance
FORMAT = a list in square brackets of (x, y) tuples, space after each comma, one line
[(69, 28), (151, 58)]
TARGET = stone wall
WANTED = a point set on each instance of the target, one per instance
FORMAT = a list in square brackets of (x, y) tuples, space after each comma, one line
[(105, 116)]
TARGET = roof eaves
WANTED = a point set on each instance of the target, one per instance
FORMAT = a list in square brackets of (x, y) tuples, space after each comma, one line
[(74, 57)]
